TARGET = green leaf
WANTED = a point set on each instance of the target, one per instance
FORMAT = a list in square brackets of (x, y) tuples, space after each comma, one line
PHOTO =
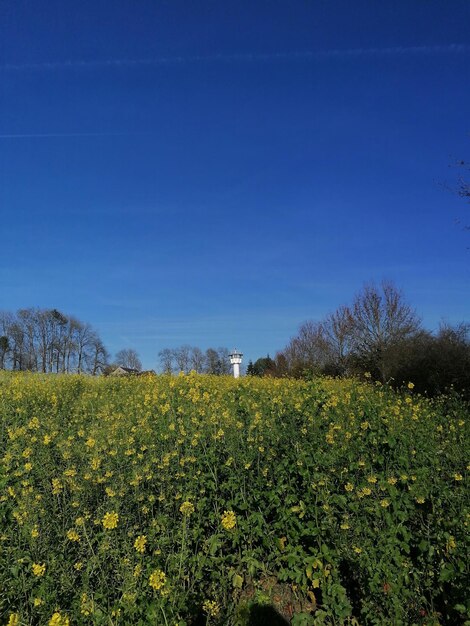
[(237, 581)]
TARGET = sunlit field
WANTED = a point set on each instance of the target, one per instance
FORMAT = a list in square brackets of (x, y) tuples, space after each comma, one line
[(196, 499)]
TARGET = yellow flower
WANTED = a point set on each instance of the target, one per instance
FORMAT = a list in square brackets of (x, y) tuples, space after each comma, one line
[(13, 620), (110, 520), (411, 386), (58, 620), (451, 543), (157, 579), (187, 508), (87, 606), (420, 500), (372, 479), (349, 486), (229, 520), (38, 601), (139, 543), (72, 535), (385, 503), (211, 608), (35, 532), (56, 486), (39, 570), (458, 477)]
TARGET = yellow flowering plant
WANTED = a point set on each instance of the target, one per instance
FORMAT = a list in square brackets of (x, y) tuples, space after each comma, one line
[(158, 499)]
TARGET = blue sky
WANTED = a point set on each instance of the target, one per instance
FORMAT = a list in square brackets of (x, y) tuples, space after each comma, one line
[(216, 173)]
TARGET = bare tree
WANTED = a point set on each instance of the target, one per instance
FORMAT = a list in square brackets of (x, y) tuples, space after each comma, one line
[(308, 350), (4, 349), (6, 322), (197, 359), (217, 361), (182, 356), (282, 365), (337, 332), (129, 358), (47, 340), (97, 356), (381, 319), (212, 361), (224, 361), (26, 320), (464, 184), (166, 360), (85, 343)]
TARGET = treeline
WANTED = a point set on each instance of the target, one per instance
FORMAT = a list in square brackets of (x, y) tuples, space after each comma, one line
[(378, 335), (49, 341), (46, 340), (187, 358)]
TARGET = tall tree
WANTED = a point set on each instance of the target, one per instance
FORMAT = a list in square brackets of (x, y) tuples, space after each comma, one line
[(197, 359), (212, 361), (47, 340), (381, 319), (218, 361), (182, 356), (4, 349), (224, 361), (308, 350), (337, 333), (97, 356), (128, 357), (166, 360)]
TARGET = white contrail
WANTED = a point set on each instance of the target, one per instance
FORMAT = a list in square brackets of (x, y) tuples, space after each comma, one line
[(241, 57), (46, 135)]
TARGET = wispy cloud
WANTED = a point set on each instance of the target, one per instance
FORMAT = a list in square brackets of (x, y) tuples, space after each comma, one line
[(305, 55), (48, 135)]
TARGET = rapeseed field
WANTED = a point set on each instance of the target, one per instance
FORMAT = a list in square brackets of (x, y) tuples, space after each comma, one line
[(180, 500)]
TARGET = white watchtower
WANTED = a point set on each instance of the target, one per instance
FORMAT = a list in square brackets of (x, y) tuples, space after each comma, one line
[(235, 360)]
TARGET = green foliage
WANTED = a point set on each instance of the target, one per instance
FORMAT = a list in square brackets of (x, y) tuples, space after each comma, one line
[(167, 500), (264, 366)]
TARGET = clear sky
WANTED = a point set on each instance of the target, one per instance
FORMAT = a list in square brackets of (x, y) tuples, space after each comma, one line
[(217, 172)]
